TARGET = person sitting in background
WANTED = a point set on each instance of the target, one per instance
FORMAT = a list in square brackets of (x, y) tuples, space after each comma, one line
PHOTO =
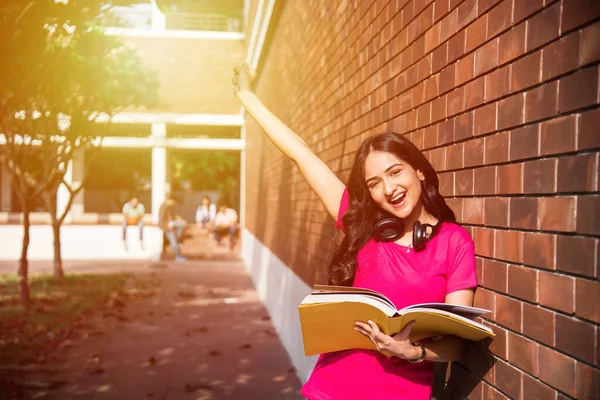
[(205, 214), (172, 225), (225, 224), (133, 213)]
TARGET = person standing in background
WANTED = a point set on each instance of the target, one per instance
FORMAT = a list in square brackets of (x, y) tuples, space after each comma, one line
[(172, 225)]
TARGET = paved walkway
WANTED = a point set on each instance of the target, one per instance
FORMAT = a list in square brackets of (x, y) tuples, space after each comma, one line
[(184, 330)]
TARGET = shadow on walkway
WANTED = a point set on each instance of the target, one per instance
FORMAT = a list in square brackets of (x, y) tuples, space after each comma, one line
[(197, 330)]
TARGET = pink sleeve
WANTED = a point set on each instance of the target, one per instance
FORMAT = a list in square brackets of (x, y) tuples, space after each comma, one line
[(461, 270), (344, 205)]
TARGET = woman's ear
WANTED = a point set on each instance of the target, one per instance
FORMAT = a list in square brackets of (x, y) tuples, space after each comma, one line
[(420, 176)]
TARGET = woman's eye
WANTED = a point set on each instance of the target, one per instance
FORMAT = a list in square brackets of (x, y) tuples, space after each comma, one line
[(372, 185), (396, 172)]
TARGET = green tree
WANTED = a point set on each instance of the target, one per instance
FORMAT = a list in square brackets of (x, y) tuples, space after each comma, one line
[(60, 73)]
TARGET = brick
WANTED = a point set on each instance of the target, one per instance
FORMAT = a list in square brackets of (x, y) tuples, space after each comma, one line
[(497, 83), (474, 92), (463, 126), (494, 276), (486, 57), (557, 214), (484, 5), (588, 214), (525, 142), (457, 207), (524, 8), (512, 43), (558, 135), (588, 381), (578, 90), (474, 149), (447, 76), (575, 337), (541, 102), (447, 184), (560, 57), (539, 176), (498, 345), (464, 69), (456, 101), (522, 353), (509, 246), (588, 136), (588, 299), (526, 72), (539, 323), (535, 389), (589, 49), (510, 179), (476, 33), (484, 241), (479, 361), (557, 370), (511, 111), (484, 181), (524, 213), (539, 250), (489, 393), (578, 12), (496, 211), (544, 27), (454, 156), (577, 255), (467, 11), (464, 183), (440, 9), (484, 299), (508, 314), (473, 211), (445, 132), (456, 46), (556, 291), (438, 109), (522, 283), (439, 58), (500, 18), (496, 146), (508, 379)]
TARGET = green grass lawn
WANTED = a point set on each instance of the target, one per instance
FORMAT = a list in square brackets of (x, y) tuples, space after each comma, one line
[(56, 308)]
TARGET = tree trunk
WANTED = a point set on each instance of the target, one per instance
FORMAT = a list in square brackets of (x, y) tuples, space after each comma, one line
[(58, 267), (24, 263)]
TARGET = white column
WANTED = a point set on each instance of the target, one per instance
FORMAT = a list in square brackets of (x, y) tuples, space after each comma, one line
[(6, 190), (62, 195), (159, 169), (159, 20)]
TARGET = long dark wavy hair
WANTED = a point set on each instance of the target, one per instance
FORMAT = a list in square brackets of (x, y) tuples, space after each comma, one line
[(363, 212)]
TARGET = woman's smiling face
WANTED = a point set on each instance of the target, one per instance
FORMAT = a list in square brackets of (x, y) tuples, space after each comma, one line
[(394, 185)]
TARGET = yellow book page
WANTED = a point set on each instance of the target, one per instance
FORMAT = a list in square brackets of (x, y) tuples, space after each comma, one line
[(330, 327)]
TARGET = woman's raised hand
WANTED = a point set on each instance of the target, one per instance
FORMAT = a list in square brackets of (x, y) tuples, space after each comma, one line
[(243, 78)]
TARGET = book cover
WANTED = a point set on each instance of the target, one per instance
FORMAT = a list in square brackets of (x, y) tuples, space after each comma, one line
[(327, 317)]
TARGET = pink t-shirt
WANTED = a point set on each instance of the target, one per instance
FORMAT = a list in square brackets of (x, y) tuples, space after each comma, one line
[(406, 277)]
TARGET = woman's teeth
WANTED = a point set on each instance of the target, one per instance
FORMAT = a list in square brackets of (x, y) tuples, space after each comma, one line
[(398, 199)]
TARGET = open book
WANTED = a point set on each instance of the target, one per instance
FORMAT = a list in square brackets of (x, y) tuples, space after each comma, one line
[(327, 316)]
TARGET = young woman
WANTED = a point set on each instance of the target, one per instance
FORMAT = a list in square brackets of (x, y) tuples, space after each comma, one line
[(390, 177)]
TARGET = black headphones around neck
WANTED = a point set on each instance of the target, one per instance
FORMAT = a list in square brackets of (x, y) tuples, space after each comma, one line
[(392, 229)]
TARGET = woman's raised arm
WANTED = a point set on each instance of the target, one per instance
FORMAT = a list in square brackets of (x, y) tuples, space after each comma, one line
[(321, 179)]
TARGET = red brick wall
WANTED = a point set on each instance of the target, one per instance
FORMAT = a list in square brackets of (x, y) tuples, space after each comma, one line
[(503, 98), (194, 74)]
